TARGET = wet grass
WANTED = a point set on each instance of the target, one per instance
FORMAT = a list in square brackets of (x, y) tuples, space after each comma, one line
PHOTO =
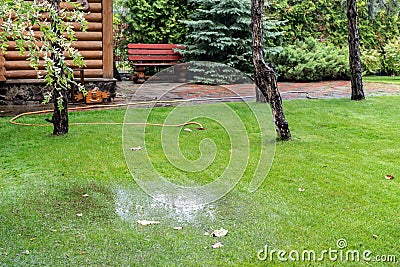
[(340, 154), (382, 79)]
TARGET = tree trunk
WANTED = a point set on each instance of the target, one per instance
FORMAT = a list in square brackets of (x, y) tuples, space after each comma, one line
[(357, 91), (60, 98), (60, 114), (265, 76)]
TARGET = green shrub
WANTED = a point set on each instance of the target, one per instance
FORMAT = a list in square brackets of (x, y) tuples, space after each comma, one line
[(392, 57), (371, 60), (155, 21), (310, 60)]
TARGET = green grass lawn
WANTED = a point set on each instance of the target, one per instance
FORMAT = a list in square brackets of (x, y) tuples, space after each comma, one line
[(340, 154), (382, 79)]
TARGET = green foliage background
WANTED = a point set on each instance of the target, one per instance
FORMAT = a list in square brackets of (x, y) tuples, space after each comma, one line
[(326, 20), (155, 21), (218, 30), (310, 60)]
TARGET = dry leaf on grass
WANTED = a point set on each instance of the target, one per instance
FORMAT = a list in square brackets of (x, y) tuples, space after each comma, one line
[(389, 177), (145, 222), (220, 232), (301, 189), (217, 245)]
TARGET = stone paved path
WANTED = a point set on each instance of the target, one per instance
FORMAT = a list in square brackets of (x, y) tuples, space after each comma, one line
[(129, 92)]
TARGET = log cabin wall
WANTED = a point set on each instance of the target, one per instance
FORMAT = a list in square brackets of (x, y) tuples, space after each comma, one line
[(95, 45)]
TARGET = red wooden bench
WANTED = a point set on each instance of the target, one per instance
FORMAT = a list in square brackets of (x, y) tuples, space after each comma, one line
[(149, 55)]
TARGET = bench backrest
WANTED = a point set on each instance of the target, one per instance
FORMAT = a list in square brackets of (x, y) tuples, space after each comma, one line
[(154, 52)]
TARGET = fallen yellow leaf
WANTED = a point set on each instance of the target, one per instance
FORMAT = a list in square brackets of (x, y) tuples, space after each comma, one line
[(145, 222), (220, 232), (217, 245)]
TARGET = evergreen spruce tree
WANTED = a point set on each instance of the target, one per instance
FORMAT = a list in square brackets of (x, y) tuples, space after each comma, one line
[(219, 31)]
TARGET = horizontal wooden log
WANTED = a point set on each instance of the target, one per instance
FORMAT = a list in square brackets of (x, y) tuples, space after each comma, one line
[(151, 52), (92, 27), (88, 36), (94, 17), (2, 71), (83, 36), (2, 61), (15, 55), (155, 58), (32, 74), (81, 45), (12, 45), (91, 17), (88, 45), (21, 74), (24, 65), (90, 1), (155, 46), (18, 65), (93, 7)]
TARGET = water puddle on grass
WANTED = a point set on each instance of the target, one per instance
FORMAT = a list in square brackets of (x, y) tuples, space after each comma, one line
[(134, 205)]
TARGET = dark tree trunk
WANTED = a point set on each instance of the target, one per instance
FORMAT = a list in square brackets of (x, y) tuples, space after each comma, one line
[(60, 115), (357, 91), (265, 76), (60, 98)]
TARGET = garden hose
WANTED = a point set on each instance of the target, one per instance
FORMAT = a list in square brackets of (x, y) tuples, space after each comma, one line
[(14, 119)]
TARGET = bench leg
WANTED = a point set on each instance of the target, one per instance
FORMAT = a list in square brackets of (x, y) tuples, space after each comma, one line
[(139, 72)]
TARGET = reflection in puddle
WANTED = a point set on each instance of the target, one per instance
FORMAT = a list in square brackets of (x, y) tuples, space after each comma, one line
[(132, 206)]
